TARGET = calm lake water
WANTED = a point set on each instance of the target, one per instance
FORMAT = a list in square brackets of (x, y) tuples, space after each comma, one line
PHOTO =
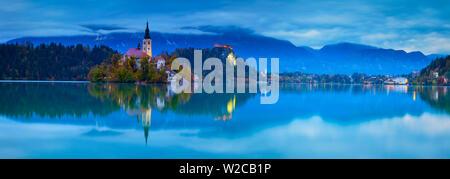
[(82, 120)]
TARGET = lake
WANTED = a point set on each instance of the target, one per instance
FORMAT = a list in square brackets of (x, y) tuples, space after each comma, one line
[(84, 120)]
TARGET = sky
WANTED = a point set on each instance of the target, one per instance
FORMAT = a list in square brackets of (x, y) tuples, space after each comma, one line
[(410, 25)]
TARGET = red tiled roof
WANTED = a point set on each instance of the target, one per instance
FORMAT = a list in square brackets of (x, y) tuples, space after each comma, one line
[(136, 52)]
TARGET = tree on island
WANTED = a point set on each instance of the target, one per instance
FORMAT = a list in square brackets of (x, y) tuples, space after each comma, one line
[(127, 71)]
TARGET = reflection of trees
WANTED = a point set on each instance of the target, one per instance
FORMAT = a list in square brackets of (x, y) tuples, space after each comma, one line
[(138, 97), (144, 97), (50, 99), (334, 88), (58, 99), (437, 97), (141, 100)]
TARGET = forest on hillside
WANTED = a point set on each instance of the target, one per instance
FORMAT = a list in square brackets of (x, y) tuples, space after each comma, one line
[(436, 73), (50, 61)]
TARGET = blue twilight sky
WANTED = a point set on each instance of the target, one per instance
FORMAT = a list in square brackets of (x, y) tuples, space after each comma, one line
[(412, 25)]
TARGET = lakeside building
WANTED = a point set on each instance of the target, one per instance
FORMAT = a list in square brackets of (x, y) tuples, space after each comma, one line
[(146, 53), (415, 74), (139, 53), (370, 80), (396, 81), (160, 61), (435, 74)]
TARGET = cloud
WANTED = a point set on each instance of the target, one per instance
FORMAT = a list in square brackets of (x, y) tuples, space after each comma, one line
[(387, 24), (405, 136), (8, 6), (103, 27), (398, 137), (427, 43), (221, 29), (306, 34), (378, 36)]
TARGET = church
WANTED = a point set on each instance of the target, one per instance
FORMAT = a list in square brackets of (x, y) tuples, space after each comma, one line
[(145, 51)]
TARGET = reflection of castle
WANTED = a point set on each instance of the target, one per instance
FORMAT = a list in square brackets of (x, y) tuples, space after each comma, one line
[(230, 108)]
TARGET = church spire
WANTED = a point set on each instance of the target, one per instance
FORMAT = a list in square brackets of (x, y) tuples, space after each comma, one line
[(147, 42), (147, 33)]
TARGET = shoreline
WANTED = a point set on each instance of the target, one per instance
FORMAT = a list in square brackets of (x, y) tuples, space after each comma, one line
[(40, 81), (145, 83)]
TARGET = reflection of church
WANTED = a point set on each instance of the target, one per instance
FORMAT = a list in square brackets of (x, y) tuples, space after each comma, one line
[(139, 101), (146, 117)]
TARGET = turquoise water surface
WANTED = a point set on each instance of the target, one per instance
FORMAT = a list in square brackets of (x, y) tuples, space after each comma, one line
[(83, 120)]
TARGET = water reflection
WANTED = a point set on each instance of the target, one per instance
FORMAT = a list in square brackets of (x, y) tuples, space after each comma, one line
[(437, 97), (140, 100), (50, 100), (308, 118)]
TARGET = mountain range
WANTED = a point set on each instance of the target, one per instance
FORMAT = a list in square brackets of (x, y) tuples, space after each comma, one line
[(341, 58)]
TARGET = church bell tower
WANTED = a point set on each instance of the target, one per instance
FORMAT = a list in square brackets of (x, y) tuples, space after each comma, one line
[(147, 42)]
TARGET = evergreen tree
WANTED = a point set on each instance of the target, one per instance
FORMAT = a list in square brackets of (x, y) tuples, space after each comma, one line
[(50, 61)]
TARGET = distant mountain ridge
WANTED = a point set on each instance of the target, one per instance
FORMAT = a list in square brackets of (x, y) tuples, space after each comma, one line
[(342, 58)]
